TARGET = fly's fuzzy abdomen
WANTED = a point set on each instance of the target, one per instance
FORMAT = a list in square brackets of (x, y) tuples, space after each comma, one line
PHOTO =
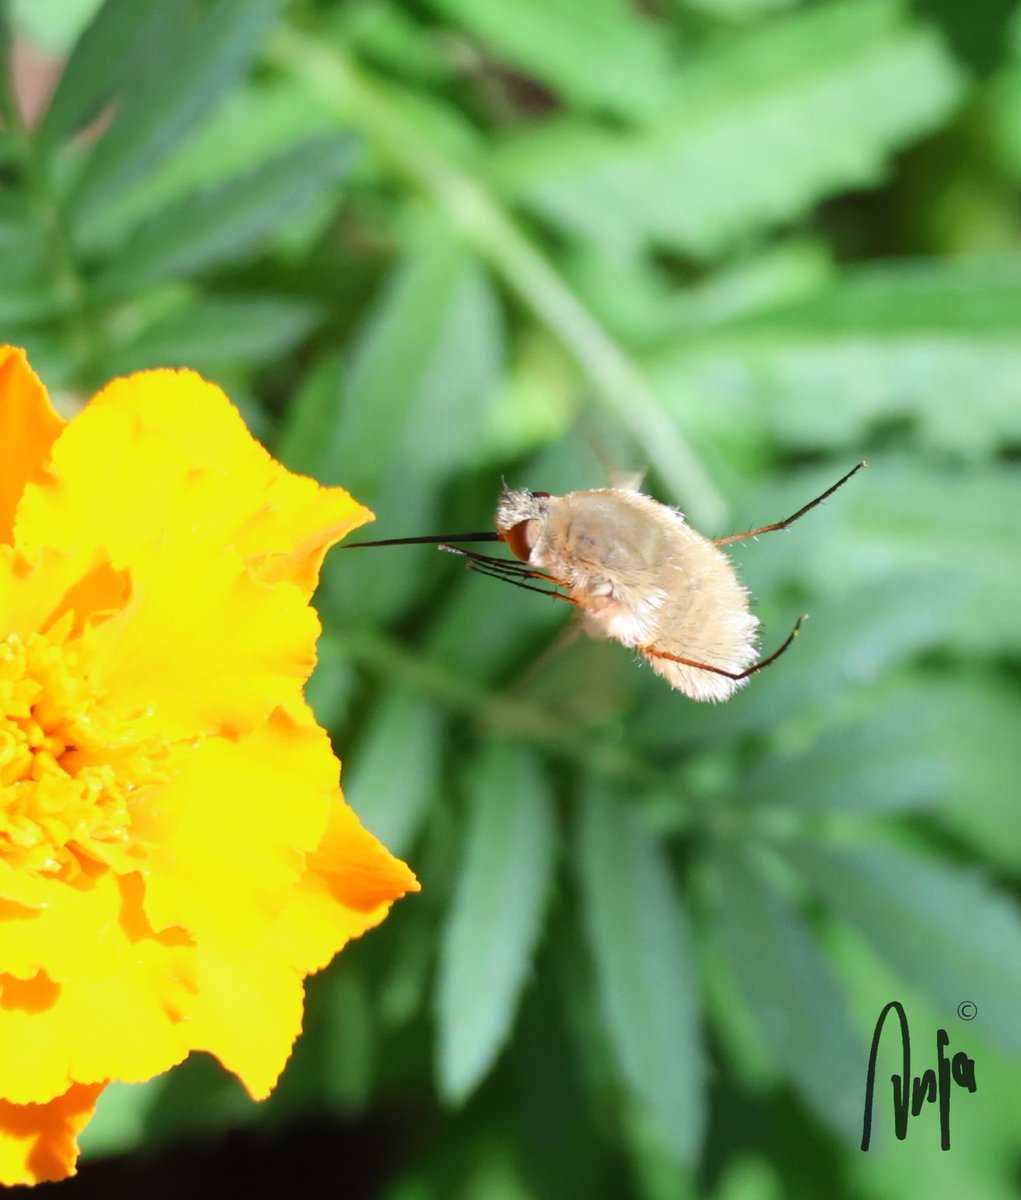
[(643, 576), (706, 620)]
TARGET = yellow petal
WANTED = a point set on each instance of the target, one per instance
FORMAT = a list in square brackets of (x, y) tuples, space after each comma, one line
[(38, 1141), (248, 1008), (159, 478), (91, 991), (28, 428), (35, 594), (349, 884), (203, 646), (248, 1013), (297, 519), (164, 453), (230, 832)]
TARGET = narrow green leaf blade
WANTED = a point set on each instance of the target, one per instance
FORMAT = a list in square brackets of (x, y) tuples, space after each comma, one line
[(423, 370), (28, 292), (255, 123), (304, 434), (791, 992), (216, 330), (98, 65), (898, 527), (887, 761), (53, 26), (641, 945), (395, 771), (496, 915), (210, 227), (898, 341), (978, 716), (192, 54), (346, 1064), (424, 365), (944, 930)]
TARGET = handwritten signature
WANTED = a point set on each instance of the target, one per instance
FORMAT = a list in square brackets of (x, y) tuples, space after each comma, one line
[(909, 1094)]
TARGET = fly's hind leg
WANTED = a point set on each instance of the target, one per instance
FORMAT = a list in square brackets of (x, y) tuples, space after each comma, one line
[(652, 652), (789, 521)]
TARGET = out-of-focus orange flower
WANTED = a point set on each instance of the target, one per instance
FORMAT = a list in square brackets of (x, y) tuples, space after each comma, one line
[(175, 853)]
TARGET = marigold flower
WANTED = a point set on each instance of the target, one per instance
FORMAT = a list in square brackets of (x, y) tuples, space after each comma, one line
[(175, 853)]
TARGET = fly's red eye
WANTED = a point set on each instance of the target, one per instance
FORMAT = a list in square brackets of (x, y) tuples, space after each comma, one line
[(520, 538), (541, 495)]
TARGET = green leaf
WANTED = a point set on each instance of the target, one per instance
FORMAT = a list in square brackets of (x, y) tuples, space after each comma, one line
[(897, 342), (899, 524), (971, 720), (931, 297), (52, 25), (258, 122), (332, 686), (424, 367), (213, 226), (217, 330), (394, 771), (639, 299), (99, 64), (303, 443), (347, 1063), (192, 53), (791, 992), (853, 641), (930, 739), (738, 10), (615, 59), (403, 993), (197, 1094), (496, 915), (780, 116), (640, 942), (943, 930), (886, 761), (397, 39), (421, 153), (532, 408), (1006, 118), (28, 292), (860, 632), (121, 1118)]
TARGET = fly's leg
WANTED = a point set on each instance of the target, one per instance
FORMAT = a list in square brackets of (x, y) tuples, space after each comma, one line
[(652, 652), (509, 571), (786, 524)]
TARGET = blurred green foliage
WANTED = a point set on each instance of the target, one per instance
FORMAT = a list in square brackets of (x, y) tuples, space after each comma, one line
[(742, 243)]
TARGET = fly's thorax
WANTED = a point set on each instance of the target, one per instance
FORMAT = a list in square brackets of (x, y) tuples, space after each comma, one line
[(609, 535), (610, 547)]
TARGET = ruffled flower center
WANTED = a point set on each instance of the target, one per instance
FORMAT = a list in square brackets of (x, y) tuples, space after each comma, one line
[(71, 769)]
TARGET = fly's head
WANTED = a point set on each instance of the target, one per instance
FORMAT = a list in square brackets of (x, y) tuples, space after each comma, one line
[(520, 517)]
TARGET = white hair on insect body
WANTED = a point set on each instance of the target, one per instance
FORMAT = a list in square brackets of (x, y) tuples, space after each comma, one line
[(637, 572), (641, 575)]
